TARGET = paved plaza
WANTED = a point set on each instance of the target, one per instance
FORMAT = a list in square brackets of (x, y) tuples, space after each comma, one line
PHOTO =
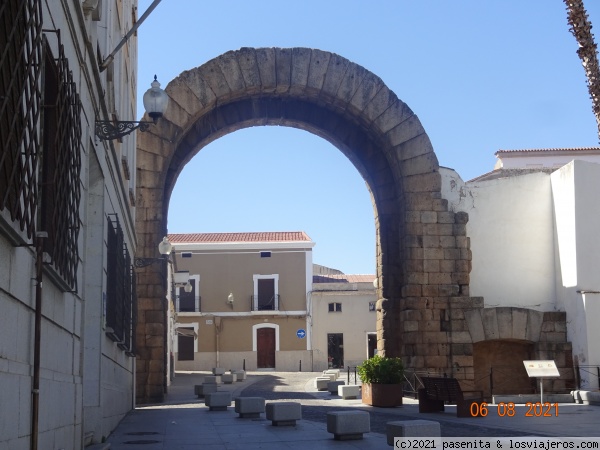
[(184, 422)]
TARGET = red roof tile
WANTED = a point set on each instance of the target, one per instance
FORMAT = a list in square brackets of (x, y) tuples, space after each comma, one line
[(343, 278), (267, 236)]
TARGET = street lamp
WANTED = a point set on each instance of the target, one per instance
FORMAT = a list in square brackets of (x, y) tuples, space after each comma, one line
[(180, 278), (164, 248), (155, 103)]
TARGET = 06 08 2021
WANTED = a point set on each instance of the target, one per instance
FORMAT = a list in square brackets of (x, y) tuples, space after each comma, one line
[(537, 409)]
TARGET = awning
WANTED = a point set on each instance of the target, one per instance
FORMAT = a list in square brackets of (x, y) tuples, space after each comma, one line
[(187, 332)]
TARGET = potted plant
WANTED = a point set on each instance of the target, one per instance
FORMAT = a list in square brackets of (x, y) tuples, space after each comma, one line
[(382, 379)]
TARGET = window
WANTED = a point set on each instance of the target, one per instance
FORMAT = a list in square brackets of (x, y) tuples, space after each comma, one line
[(189, 301), (335, 307), (266, 293), (120, 295), (61, 167), (20, 103), (371, 306)]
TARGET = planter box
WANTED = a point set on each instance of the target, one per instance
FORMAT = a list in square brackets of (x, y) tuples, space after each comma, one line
[(383, 395)]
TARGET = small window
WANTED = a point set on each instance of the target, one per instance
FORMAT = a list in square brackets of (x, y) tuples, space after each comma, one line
[(335, 307), (371, 306)]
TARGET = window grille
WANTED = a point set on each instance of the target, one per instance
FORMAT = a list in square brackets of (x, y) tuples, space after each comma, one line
[(61, 166), (20, 102), (121, 308)]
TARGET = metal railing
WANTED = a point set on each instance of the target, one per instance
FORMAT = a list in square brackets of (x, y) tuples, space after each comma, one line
[(351, 373), (188, 306), (264, 303), (583, 384), (412, 381)]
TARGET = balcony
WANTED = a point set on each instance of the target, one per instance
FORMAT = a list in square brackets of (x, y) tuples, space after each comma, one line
[(185, 304), (264, 303)]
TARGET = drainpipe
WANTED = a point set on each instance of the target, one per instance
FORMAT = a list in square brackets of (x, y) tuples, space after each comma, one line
[(35, 392), (218, 332)]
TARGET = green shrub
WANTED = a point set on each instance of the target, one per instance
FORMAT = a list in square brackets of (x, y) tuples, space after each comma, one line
[(381, 370)]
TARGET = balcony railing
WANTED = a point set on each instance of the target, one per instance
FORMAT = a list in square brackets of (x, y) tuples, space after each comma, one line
[(189, 305), (264, 302)]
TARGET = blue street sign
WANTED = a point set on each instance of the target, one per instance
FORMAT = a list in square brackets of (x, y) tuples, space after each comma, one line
[(301, 333)]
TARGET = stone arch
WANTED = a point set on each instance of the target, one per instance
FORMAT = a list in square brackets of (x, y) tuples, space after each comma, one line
[(423, 256), (503, 337)]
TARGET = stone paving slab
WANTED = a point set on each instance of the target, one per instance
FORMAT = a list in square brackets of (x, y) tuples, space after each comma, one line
[(183, 421)]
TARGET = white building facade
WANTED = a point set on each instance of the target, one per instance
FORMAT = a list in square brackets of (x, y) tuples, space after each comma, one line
[(344, 321), (535, 246), (67, 210)]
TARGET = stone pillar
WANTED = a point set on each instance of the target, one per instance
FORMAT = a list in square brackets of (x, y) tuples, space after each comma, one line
[(429, 316), (151, 335)]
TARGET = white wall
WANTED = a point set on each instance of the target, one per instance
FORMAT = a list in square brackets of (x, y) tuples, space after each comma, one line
[(535, 244), (512, 238), (577, 206), (355, 321)]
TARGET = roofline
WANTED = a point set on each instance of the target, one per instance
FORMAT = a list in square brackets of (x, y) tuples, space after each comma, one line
[(266, 245), (550, 150)]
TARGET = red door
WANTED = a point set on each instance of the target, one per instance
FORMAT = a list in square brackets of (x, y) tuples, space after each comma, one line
[(265, 348)]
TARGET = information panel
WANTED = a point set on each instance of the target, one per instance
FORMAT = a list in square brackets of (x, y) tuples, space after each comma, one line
[(541, 369)]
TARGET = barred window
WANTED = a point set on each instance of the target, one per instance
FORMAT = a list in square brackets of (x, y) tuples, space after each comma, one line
[(121, 308), (20, 99), (61, 166)]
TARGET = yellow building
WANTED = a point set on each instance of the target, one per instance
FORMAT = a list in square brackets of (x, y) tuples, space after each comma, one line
[(248, 303)]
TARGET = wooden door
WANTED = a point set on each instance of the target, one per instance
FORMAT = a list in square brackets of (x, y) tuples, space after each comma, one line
[(265, 348)]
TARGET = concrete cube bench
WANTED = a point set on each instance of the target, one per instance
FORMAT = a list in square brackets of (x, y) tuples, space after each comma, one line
[(348, 425), (202, 389), (218, 371), (328, 372), (411, 428), (348, 391), (284, 413), (212, 379), (332, 386), (218, 401), (229, 378), (321, 383), (331, 376), (241, 374), (249, 407)]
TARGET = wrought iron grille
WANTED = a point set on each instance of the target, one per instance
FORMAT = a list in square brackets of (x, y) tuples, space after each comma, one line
[(61, 166), (20, 97), (127, 303), (115, 286), (264, 303), (121, 308)]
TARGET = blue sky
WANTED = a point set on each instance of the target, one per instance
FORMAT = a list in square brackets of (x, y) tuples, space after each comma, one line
[(482, 75)]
